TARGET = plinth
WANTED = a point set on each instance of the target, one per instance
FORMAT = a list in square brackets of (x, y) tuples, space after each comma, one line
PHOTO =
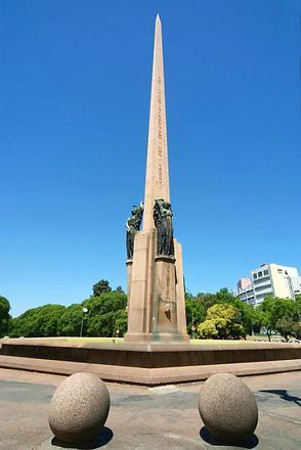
[(156, 305)]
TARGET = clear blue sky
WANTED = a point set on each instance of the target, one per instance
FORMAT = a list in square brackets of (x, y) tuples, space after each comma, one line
[(75, 89)]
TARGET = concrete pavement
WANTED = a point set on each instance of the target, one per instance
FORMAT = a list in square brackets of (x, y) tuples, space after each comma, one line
[(148, 418)]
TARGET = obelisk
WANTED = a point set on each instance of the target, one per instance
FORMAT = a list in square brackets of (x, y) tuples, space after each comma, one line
[(156, 302)]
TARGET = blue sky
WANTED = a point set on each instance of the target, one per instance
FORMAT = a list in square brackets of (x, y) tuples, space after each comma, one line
[(75, 91)]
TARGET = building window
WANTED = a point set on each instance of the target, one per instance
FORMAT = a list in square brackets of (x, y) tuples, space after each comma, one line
[(261, 280), (265, 272), (262, 288), (259, 274), (279, 270), (254, 276)]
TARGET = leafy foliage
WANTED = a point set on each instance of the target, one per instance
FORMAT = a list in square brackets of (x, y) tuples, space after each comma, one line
[(106, 315), (222, 322), (41, 321), (195, 313), (273, 315), (69, 323), (220, 315), (282, 315), (104, 311), (4, 315), (101, 287), (197, 307)]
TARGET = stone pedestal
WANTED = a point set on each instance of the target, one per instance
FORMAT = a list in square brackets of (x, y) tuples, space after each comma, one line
[(156, 299), (164, 299)]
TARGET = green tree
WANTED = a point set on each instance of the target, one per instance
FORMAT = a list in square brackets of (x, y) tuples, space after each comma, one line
[(101, 287), (285, 326), (195, 313), (297, 317), (222, 321), (208, 329), (246, 318), (104, 313), (37, 322), (223, 295), (120, 290), (4, 315), (207, 299), (69, 323), (257, 319), (276, 313), (121, 321)]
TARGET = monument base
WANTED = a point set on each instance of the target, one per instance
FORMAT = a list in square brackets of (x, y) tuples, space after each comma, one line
[(149, 363), (156, 338)]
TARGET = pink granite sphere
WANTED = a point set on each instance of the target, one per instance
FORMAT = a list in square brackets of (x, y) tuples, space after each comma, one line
[(228, 408), (79, 408)]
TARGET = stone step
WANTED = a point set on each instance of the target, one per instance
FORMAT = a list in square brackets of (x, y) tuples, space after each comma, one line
[(148, 377)]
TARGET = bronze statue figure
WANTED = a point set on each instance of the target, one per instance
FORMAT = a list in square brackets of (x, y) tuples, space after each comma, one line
[(163, 221), (132, 226)]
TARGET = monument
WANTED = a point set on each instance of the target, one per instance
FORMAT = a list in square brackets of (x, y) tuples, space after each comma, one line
[(156, 302), (156, 308)]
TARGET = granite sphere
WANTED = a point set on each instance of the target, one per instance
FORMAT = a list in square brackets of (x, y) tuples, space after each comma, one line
[(228, 408), (79, 408)]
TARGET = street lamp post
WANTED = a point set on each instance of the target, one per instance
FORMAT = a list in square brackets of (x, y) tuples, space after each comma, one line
[(193, 328), (85, 310)]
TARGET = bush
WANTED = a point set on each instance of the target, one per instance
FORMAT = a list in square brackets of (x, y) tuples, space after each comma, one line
[(222, 322)]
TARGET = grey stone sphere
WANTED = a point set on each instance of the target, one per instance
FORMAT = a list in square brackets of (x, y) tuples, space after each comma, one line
[(79, 408), (228, 408)]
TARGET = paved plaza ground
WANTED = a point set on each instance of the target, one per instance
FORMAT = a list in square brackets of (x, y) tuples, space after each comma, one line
[(148, 418)]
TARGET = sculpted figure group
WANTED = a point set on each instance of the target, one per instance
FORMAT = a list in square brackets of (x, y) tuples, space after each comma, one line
[(132, 225), (163, 222)]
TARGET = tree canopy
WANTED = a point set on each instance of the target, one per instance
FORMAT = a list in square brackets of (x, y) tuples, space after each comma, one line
[(220, 315), (4, 315), (104, 313), (281, 315), (222, 322), (37, 322), (100, 287)]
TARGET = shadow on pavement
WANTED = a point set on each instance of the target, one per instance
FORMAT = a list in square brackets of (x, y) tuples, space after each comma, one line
[(284, 395), (102, 439), (207, 437)]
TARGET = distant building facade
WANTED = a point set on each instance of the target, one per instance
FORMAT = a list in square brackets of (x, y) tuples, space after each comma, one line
[(245, 290), (269, 279)]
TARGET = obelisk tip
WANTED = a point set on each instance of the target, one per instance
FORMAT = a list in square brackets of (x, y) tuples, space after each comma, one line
[(158, 18)]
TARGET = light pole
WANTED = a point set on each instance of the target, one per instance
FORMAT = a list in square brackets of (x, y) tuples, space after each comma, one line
[(85, 310), (193, 328)]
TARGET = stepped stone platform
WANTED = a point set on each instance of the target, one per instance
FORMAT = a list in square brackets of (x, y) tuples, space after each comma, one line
[(148, 364)]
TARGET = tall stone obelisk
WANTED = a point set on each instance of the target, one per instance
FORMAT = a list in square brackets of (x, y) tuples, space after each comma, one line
[(156, 303)]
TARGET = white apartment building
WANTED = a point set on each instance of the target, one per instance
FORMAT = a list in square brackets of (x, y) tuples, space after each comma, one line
[(270, 279)]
